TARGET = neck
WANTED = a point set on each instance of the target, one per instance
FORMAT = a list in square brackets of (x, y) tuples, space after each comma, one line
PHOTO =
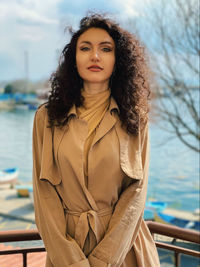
[(95, 88)]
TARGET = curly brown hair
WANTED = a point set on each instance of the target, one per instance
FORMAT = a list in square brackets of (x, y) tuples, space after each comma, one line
[(128, 83)]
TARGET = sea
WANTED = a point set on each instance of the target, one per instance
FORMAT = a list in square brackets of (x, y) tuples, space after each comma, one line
[(173, 171)]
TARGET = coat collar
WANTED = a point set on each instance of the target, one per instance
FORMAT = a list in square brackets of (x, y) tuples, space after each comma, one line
[(108, 122), (112, 107)]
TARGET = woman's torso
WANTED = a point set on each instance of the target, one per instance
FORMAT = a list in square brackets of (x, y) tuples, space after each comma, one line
[(104, 182)]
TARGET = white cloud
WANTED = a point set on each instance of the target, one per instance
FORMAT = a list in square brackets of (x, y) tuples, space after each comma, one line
[(22, 20), (128, 7), (25, 10), (38, 26), (33, 16), (26, 25)]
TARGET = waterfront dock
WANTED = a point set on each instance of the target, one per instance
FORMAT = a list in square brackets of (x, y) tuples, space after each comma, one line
[(14, 207)]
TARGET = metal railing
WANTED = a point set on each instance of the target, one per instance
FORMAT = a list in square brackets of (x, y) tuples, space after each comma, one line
[(176, 233), (18, 236), (154, 227)]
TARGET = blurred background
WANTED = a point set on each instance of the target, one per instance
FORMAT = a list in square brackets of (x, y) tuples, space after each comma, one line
[(33, 34)]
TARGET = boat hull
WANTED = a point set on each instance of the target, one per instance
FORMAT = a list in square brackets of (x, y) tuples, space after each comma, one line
[(9, 176), (184, 223)]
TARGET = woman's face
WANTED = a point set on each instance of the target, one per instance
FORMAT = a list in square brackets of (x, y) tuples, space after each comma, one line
[(95, 56)]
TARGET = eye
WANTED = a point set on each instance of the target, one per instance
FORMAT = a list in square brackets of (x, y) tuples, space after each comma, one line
[(84, 48), (106, 49)]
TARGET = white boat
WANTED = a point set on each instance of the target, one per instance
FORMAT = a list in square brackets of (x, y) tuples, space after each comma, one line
[(9, 176)]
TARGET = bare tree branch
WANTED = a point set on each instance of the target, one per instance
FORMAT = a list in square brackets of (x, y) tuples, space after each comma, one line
[(175, 51)]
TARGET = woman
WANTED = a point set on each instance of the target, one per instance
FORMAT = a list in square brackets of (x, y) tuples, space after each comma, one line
[(91, 152)]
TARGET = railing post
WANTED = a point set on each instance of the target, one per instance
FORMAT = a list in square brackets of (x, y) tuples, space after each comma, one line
[(177, 259), (25, 259)]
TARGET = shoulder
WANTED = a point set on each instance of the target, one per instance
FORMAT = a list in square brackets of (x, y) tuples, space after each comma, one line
[(40, 118), (41, 112), (143, 124)]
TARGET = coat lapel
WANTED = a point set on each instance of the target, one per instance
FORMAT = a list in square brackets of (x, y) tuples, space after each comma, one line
[(107, 123), (57, 136)]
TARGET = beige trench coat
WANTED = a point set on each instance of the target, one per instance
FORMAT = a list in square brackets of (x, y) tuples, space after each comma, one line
[(102, 224)]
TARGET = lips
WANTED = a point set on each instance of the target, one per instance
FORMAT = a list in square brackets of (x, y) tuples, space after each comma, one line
[(94, 67)]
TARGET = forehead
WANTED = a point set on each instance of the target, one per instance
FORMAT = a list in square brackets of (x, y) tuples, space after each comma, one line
[(95, 36)]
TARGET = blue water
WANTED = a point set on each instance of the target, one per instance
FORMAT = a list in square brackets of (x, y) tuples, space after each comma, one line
[(174, 168)]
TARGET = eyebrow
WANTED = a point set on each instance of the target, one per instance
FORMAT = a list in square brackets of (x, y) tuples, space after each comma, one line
[(106, 42)]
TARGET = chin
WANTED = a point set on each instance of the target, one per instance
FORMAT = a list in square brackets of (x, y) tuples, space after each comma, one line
[(96, 80)]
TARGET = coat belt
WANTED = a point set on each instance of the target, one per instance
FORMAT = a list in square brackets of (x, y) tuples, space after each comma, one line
[(89, 220)]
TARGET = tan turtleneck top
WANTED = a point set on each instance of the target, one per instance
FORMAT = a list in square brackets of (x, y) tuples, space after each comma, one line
[(92, 111)]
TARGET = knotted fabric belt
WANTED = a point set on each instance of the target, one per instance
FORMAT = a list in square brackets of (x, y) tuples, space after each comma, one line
[(89, 220)]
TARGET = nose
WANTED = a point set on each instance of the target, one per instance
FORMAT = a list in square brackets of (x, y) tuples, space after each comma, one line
[(95, 55)]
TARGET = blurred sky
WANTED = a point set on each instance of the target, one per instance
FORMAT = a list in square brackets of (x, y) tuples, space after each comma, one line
[(37, 26)]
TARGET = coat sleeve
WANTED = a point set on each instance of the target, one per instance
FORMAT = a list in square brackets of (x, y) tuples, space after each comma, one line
[(126, 219), (49, 214)]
